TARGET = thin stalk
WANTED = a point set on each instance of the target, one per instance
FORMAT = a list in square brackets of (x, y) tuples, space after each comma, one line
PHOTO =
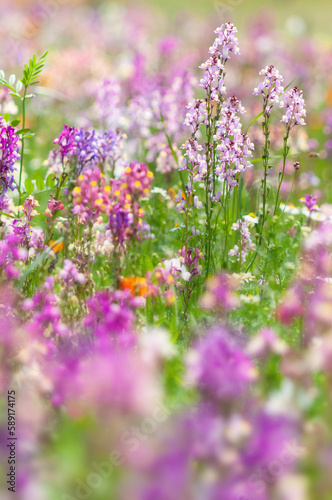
[(22, 148), (265, 157), (284, 156)]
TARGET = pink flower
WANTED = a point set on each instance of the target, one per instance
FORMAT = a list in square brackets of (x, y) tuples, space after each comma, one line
[(295, 108)]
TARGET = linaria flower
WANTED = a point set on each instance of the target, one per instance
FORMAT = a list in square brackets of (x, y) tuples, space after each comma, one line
[(271, 87), (295, 111), (8, 156)]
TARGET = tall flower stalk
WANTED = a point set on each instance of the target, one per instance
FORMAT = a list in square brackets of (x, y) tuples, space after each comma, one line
[(271, 89), (224, 155), (294, 115)]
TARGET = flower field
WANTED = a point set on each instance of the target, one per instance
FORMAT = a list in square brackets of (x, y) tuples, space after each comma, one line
[(165, 253)]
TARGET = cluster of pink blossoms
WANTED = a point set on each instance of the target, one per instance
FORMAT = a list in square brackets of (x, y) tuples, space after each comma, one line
[(226, 43), (53, 206), (271, 87), (246, 243), (295, 108), (91, 196), (235, 147), (120, 201)]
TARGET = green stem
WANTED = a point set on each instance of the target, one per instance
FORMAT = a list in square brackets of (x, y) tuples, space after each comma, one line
[(266, 156), (284, 155), (22, 148)]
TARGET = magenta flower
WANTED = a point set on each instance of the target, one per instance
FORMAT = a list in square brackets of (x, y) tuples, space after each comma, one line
[(310, 202), (8, 156), (219, 367), (53, 206), (67, 141), (220, 293), (111, 315), (70, 274), (29, 207)]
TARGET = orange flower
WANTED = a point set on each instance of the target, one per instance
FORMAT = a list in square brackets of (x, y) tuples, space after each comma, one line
[(58, 247), (137, 286), (171, 192)]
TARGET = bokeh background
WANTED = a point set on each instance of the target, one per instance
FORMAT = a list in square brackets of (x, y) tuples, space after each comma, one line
[(114, 65)]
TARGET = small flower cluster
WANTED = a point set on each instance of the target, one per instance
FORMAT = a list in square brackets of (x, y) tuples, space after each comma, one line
[(246, 243), (70, 274), (295, 108), (271, 87), (138, 179), (235, 147), (196, 114), (91, 196), (67, 142), (8, 157), (310, 202), (12, 253), (84, 149), (225, 44), (29, 208), (53, 206), (46, 320), (111, 315), (219, 295), (126, 215)]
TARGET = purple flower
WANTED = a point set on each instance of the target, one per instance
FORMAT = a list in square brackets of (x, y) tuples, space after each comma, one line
[(226, 42), (8, 156), (120, 224), (219, 367), (196, 114), (272, 433), (220, 293), (270, 87), (295, 108), (111, 316), (70, 274), (10, 253), (235, 147), (190, 257), (310, 202), (246, 243), (67, 141)]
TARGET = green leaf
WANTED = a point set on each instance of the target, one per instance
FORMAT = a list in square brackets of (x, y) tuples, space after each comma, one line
[(6, 117), (14, 123), (40, 183), (50, 181), (7, 85), (253, 121), (23, 131), (12, 80), (19, 86), (28, 186)]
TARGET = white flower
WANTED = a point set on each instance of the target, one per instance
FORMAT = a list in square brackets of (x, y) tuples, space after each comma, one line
[(156, 345), (244, 277), (290, 209), (251, 219), (162, 192), (250, 299)]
